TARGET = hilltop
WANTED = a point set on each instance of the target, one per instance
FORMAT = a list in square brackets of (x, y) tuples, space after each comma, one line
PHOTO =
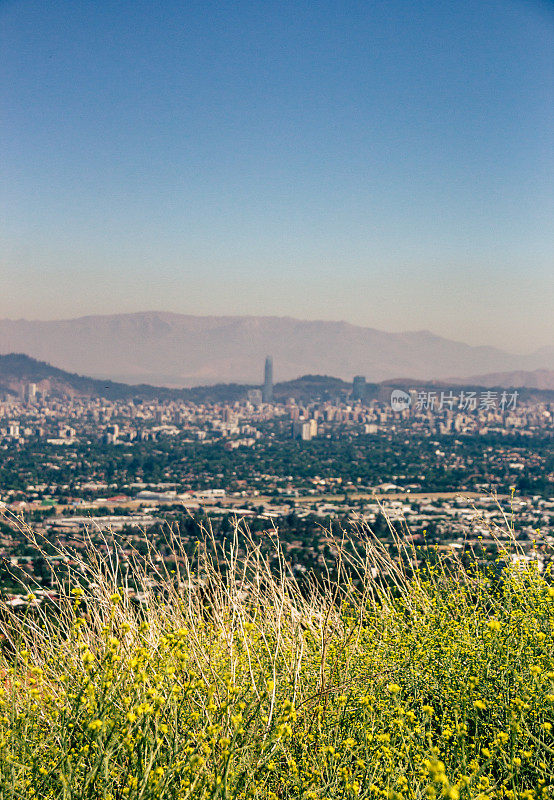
[(16, 368)]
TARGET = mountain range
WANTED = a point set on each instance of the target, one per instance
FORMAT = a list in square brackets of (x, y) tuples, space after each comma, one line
[(177, 350)]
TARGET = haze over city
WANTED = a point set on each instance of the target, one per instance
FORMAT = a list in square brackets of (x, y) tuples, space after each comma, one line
[(388, 164)]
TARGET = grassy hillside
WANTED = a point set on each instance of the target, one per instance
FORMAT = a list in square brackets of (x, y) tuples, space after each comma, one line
[(232, 683)]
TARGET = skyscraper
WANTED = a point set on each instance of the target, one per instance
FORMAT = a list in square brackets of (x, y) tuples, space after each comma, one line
[(267, 392), (359, 388)]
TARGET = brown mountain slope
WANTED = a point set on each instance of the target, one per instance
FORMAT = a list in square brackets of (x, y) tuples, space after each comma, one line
[(536, 379), (184, 350)]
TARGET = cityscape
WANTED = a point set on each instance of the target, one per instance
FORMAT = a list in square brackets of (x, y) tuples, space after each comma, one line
[(448, 462), (277, 400)]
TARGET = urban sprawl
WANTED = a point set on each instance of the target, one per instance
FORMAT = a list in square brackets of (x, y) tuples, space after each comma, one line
[(470, 473)]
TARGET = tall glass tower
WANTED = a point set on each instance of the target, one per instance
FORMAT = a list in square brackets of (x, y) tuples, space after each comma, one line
[(267, 391), (359, 388)]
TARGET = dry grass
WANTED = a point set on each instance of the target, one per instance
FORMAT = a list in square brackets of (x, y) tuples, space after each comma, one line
[(233, 681)]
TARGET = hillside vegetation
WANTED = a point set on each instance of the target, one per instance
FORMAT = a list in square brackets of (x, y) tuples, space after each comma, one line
[(232, 682)]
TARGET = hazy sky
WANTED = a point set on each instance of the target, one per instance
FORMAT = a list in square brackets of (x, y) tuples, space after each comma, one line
[(386, 162)]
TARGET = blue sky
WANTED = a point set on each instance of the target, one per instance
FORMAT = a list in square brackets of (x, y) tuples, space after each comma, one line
[(389, 162)]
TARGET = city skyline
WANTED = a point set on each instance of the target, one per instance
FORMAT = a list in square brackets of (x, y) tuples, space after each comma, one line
[(390, 164)]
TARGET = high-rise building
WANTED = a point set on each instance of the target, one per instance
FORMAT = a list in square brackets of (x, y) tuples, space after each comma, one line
[(267, 392), (31, 392), (359, 388), (13, 429), (304, 429), (254, 397)]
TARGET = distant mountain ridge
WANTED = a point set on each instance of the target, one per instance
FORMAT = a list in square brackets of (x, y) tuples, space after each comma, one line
[(537, 379), (177, 350)]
